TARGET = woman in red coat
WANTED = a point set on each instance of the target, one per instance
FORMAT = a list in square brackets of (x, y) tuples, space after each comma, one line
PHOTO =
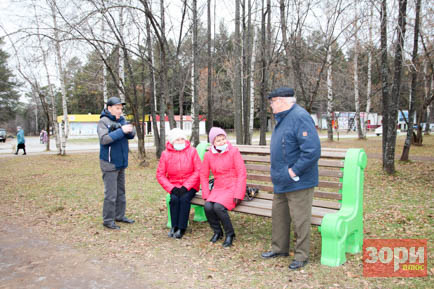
[(178, 173), (227, 167)]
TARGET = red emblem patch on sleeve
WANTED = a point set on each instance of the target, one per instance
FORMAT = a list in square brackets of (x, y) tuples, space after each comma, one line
[(305, 133)]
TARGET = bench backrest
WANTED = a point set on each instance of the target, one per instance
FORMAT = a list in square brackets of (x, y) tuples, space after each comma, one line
[(327, 195)]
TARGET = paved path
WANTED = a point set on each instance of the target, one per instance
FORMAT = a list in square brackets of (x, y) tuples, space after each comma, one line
[(28, 260), (33, 147)]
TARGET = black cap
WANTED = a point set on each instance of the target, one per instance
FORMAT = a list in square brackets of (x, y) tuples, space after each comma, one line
[(114, 100), (282, 92)]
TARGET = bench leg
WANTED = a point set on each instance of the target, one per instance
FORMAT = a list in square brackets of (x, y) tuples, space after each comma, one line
[(332, 251), (355, 242), (169, 220), (334, 233), (199, 213)]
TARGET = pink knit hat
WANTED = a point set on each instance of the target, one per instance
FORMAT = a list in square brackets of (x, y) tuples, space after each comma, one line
[(214, 132)]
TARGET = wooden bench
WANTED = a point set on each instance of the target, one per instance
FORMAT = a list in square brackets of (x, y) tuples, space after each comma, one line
[(338, 200)]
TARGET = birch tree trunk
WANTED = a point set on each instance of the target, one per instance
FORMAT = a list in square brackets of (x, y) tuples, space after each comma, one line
[(159, 146), (121, 57), (65, 123), (53, 119), (104, 68), (329, 95), (356, 78), (369, 76), (252, 76)]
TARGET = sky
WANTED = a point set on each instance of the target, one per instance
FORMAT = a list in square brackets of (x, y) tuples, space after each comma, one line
[(16, 14)]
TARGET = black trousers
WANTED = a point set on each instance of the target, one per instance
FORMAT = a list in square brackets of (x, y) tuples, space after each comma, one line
[(180, 209), (21, 146), (216, 214)]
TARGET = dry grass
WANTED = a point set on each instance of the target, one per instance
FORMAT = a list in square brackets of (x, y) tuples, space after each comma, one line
[(61, 197)]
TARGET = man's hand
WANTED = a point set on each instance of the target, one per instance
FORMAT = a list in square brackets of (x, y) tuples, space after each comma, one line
[(291, 173), (127, 128)]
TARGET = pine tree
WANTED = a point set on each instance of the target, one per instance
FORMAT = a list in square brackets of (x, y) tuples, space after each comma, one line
[(9, 96)]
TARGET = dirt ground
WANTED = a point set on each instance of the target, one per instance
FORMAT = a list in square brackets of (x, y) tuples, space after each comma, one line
[(29, 260)]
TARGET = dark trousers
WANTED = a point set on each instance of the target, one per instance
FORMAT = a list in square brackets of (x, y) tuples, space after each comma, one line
[(21, 146), (216, 214), (296, 208), (180, 209), (114, 196)]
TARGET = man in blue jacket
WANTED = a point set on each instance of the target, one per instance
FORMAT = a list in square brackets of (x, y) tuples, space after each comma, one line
[(113, 133), (21, 142), (295, 149)]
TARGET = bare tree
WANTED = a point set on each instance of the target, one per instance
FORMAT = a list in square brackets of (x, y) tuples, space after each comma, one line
[(238, 121), (356, 77), (61, 72), (385, 86), (210, 116), (195, 130), (412, 96), (389, 166)]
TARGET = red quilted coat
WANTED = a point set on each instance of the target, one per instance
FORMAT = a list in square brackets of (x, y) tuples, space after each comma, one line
[(179, 168), (229, 176)]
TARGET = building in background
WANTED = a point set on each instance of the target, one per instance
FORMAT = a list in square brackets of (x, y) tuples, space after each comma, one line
[(86, 124)]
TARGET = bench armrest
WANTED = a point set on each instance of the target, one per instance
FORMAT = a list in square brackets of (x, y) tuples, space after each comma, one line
[(343, 231)]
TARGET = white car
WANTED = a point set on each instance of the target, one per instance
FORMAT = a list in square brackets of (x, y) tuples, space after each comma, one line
[(379, 131)]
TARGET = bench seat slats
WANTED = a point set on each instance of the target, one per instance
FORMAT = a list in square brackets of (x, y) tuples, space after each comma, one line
[(330, 163), (263, 208), (267, 178), (266, 167), (269, 188)]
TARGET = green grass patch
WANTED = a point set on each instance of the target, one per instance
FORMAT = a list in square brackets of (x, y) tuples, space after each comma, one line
[(62, 198)]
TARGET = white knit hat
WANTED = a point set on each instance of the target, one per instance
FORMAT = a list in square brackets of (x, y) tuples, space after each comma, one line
[(175, 134)]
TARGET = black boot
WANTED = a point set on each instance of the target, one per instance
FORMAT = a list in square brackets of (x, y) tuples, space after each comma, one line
[(172, 232), (229, 239), (216, 237), (179, 234)]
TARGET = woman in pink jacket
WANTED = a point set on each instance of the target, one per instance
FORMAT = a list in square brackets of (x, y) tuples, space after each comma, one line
[(178, 173), (227, 167)]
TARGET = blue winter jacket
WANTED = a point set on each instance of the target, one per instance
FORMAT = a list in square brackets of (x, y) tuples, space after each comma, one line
[(113, 143), (20, 136), (294, 144)]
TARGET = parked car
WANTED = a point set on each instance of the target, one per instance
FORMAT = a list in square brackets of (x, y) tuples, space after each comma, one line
[(2, 135), (379, 131)]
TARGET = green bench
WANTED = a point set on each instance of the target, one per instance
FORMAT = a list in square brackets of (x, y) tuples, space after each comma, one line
[(337, 207)]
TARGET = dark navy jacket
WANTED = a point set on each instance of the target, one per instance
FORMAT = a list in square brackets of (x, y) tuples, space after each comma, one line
[(113, 144), (294, 144)]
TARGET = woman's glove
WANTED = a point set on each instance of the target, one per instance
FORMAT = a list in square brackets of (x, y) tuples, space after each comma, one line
[(175, 191), (237, 201), (182, 190)]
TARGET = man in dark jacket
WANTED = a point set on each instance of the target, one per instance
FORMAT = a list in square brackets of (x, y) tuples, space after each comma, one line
[(113, 133), (295, 149)]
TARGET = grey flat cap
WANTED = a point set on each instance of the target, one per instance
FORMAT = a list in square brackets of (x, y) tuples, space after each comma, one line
[(282, 92)]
